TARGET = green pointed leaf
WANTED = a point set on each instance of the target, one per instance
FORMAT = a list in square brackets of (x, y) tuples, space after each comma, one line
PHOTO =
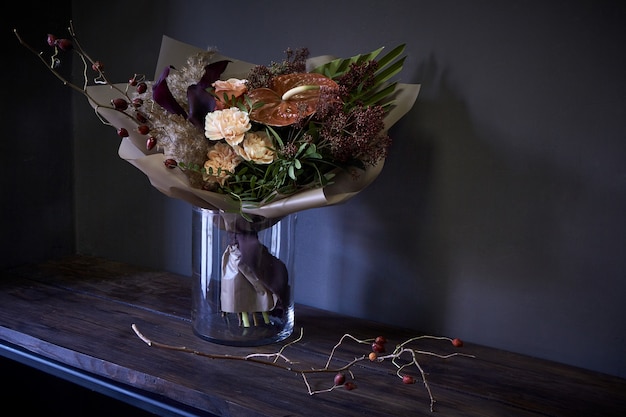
[(339, 66), (393, 54), (389, 72), (378, 97)]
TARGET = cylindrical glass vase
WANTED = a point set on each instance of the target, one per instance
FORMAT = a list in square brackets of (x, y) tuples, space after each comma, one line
[(242, 293)]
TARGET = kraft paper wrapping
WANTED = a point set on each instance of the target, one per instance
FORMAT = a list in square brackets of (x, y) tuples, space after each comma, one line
[(253, 280), (174, 183), (241, 288)]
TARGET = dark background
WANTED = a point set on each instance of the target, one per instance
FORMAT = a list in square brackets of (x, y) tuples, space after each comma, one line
[(499, 217)]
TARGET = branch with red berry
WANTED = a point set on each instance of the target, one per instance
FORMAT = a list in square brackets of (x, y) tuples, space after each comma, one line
[(402, 357), (124, 104)]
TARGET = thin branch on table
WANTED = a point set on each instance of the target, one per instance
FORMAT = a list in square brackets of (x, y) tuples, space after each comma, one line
[(377, 345)]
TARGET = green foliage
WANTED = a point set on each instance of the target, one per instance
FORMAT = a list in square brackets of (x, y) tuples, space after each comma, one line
[(389, 65)]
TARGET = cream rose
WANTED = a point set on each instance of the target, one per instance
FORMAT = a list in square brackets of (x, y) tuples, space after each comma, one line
[(230, 124), (256, 147)]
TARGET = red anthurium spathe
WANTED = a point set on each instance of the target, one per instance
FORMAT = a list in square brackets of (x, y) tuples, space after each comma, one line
[(292, 97)]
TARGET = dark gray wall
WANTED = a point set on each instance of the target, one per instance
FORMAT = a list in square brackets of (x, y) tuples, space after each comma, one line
[(36, 209), (499, 217)]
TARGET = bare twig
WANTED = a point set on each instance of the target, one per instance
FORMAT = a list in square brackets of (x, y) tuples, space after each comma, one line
[(272, 359), (87, 62)]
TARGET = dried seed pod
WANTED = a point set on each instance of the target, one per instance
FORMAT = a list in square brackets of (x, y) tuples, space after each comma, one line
[(170, 163), (119, 104)]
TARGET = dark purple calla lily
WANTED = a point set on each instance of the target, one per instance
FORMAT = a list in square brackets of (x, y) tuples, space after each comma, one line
[(200, 100), (163, 96), (212, 73)]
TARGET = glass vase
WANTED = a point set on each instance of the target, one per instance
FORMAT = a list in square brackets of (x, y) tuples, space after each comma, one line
[(242, 292)]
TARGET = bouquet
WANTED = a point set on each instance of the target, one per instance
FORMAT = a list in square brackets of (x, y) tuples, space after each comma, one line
[(255, 142), (264, 140)]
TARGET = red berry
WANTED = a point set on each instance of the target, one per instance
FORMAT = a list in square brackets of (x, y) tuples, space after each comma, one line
[(381, 340), (349, 385), (97, 66), (141, 88), (170, 163), (143, 129), (408, 379), (141, 117), (137, 102), (64, 44), (52, 40), (372, 356), (150, 143), (119, 104), (133, 81), (339, 379), (122, 132), (378, 347), (457, 342)]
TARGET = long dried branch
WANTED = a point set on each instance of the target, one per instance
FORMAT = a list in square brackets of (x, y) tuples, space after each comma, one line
[(280, 360)]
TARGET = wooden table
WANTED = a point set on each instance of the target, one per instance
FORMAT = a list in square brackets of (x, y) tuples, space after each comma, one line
[(72, 318)]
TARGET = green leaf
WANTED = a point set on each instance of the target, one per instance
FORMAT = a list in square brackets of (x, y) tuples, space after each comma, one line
[(393, 54), (340, 66), (292, 173), (390, 71), (378, 97)]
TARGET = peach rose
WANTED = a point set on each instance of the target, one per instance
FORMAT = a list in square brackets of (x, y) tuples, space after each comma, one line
[(230, 124), (222, 160), (227, 91), (256, 147)]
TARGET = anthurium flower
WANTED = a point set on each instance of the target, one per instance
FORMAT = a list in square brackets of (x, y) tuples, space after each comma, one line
[(292, 97)]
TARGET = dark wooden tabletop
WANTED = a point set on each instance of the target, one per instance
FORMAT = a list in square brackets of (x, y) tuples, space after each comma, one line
[(73, 317)]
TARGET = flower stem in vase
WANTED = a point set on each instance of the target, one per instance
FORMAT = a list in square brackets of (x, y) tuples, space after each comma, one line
[(242, 292)]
